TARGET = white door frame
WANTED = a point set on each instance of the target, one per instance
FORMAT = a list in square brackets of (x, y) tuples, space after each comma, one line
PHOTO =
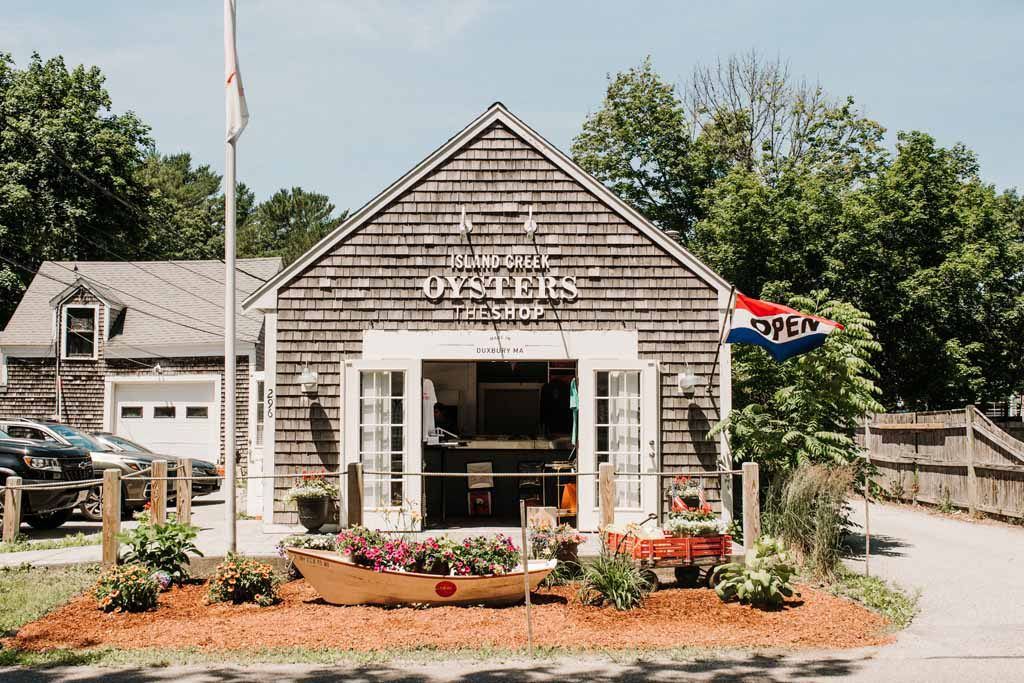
[(407, 517), (650, 439)]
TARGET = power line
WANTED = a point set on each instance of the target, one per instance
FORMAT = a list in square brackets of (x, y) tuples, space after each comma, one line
[(111, 195), (137, 310)]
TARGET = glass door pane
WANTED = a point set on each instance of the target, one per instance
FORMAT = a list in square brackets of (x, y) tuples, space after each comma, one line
[(382, 436), (617, 437)]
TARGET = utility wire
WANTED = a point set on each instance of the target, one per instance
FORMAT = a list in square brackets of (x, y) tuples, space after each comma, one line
[(109, 194)]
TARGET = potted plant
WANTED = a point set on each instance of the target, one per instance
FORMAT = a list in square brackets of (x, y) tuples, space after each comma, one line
[(561, 542), (313, 497), (697, 521), (684, 493)]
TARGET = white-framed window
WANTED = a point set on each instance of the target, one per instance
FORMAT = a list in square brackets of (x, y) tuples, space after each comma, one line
[(197, 412), (165, 412), (382, 435), (617, 438), (131, 412), (261, 411), (81, 329)]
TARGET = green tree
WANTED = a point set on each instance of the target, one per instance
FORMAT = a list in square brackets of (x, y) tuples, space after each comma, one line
[(641, 144), (806, 408), (62, 154), (288, 224)]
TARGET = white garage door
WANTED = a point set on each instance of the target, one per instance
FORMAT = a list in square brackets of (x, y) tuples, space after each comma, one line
[(173, 418)]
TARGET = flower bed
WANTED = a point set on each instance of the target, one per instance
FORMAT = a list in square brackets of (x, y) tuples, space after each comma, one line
[(694, 521), (184, 620), (477, 556)]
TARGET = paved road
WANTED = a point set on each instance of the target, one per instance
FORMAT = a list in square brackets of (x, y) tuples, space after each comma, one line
[(971, 628)]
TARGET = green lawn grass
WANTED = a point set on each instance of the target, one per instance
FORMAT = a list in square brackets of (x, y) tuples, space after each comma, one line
[(27, 593), (22, 543)]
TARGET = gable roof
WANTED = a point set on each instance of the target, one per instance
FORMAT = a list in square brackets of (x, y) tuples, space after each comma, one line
[(496, 113), (165, 303)]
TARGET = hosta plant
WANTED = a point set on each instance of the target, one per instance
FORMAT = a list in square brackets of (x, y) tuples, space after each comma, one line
[(126, 588), (763, 580), (240, 579)]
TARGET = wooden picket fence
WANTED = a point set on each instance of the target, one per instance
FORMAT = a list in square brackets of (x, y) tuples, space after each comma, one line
[(957, 458)]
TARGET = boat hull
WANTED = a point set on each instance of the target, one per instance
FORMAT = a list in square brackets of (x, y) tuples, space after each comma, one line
[(344, 583)]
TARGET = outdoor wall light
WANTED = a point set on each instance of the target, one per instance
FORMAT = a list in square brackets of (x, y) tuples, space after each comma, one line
[(530, 225), (686, 381), (308, 380), (465, 225)]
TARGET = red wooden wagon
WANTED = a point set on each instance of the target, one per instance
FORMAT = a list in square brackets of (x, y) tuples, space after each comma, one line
[(688, 555)]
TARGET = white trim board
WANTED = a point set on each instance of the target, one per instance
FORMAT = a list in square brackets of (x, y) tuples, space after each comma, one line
[(265, 298), (504, 345)]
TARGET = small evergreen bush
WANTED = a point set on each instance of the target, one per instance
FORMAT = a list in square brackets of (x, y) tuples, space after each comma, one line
[(126, 588)]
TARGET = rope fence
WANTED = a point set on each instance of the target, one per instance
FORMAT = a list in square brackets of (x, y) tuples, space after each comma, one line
[(351, 501)]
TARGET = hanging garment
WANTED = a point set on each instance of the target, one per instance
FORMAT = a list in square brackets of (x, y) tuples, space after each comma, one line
[(574, 405), (429, 399)]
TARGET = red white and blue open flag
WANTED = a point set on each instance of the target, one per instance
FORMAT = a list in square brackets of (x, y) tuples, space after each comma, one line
[(783, 331)]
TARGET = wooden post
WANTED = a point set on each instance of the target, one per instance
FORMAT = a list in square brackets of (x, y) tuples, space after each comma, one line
[(525, 555), (354, 494), (606, 494), (183, 491), (12, 509), (158, 493), (111, 498), (972, 476), (751, 505)]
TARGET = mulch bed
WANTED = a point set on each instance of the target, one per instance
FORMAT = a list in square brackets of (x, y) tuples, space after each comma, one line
[(671, 618)]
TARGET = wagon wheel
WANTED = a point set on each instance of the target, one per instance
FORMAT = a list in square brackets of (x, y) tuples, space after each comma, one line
[(709, 575), (651, 578), (688, 576)]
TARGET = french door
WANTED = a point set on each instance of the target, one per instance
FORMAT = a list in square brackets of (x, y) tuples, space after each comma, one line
[(383, 406), (618, 423)]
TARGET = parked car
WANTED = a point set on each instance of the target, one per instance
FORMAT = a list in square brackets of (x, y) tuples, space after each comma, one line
[(135, 492), (39, 462), (200, 468)]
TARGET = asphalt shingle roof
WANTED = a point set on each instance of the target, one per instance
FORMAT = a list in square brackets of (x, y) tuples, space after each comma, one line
[(166, 303)]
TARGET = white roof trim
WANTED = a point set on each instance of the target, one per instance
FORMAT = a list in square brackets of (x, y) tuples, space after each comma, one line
[(264, 298)]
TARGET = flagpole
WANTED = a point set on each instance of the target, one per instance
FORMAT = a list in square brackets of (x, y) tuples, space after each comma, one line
[(236, 116), (229, 343), (721, 338)]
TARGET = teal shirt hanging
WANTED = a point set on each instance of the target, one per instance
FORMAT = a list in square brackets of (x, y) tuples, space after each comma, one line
[(574, 406)]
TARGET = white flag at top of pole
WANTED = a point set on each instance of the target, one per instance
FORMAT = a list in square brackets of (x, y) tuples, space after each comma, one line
[(237, 111)]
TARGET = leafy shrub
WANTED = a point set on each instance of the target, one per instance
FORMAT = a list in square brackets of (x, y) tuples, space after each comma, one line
[(614, 579), (763, 580), (563, 573), (126, 588), (162, 547), (240, 579), (807, 510)]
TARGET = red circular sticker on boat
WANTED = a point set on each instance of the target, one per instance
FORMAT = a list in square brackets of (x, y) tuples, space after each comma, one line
[(445, 589)]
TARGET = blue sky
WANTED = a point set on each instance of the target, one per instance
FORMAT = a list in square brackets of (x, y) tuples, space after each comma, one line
[(347, 96)]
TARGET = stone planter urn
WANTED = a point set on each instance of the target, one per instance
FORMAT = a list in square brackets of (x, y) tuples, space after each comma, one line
[(314, 512)]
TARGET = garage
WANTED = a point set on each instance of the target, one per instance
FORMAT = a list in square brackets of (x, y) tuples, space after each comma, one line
[(173, 417)]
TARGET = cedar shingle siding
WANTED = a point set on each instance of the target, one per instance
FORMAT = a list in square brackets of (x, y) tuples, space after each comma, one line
[(31, 391), (373, 280)]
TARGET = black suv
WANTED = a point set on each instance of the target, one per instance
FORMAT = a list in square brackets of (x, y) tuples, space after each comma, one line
[(39, 462)]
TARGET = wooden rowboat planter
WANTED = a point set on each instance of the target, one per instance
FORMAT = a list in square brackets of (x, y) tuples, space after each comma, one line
[(340, 582)]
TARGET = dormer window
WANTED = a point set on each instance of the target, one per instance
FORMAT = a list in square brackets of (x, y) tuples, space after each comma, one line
[(80, 332)]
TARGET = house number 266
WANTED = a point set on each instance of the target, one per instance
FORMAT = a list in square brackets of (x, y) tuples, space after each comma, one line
[(270, 403)]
